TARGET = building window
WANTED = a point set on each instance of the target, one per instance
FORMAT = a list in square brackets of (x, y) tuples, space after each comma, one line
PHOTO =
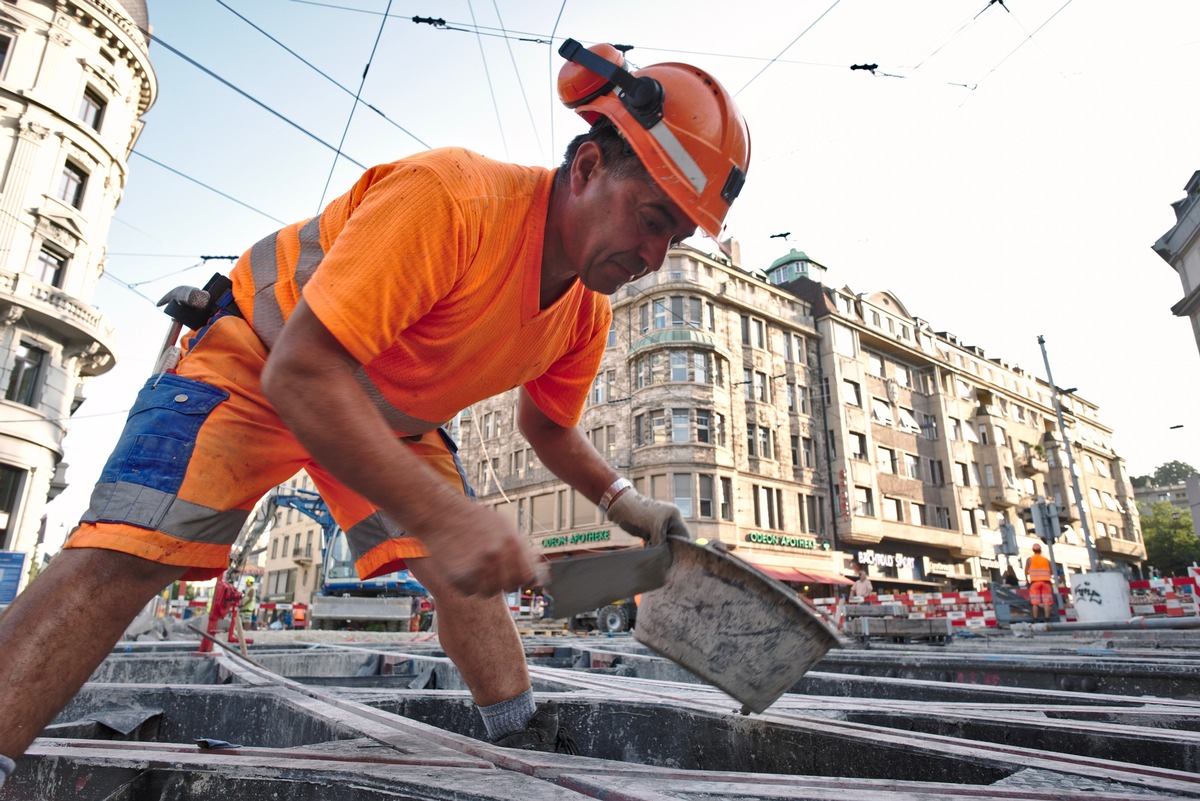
[(953, 429), (706, 495), (912, 466), (851, 390), (660, 314), (885, 459), (764, 442), (703, 427), (71, 184), (858, 446), (941, 517), (881, 412), (751, 442), (726, 498), (875, 364), (863, 503), (679, 425), (91, 108), (806, 452), (683, 493), (937, 475), (917, 514), (964, 475), (902, 373), (989, 475), (891, 510), (791, 396), (719, 437), (50, 267), (5, 48), (26, 374)]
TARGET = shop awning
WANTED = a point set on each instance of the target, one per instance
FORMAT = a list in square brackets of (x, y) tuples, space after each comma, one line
[(820, 577), (781, 573), (796, 575)]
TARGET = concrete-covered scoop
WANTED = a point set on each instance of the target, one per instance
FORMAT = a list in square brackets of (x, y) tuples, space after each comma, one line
[(732, 625)]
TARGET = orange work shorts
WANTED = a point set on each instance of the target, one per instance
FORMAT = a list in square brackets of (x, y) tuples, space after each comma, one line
[(1041, 594), (201, 445)]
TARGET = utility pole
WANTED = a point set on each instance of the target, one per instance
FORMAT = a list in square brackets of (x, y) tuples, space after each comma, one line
[(1062, 430)]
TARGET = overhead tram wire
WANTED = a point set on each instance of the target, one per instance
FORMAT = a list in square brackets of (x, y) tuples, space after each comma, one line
[(326, 76), (345, 131), (789, 47), (248, 96), (209, 188), (1023, 42), (550, 61), (520, 83), (488, 74)]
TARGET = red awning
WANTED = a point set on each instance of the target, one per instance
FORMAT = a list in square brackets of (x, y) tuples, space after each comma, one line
[(820, 577), (798, 576), (781, 573)]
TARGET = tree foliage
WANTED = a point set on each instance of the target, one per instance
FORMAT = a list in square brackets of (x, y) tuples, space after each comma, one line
[(1171, 545), (1175, 472)]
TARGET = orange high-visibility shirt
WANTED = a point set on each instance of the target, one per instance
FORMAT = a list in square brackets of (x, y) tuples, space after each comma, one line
[(428, 272)]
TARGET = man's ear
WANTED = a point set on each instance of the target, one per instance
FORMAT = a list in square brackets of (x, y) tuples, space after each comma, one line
[(588, 159)]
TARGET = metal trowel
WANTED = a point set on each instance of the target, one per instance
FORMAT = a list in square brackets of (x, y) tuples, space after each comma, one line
[(580, 584)]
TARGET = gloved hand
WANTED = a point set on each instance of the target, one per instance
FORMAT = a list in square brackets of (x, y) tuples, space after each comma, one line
[(647, 518)]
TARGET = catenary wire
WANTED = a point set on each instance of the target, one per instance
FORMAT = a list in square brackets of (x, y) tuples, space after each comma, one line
[(789, 47), (350, 118), (1023, 42), (520, 83), (550, 62), (491, 90), (206, 186), (248, 96), (324, 75)]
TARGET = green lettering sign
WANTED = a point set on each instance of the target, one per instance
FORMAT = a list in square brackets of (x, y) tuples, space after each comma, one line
[(582, 537)]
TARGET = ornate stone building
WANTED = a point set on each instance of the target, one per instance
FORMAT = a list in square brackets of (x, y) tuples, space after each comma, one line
[(1180, 248), (75, 81), (816, 430)]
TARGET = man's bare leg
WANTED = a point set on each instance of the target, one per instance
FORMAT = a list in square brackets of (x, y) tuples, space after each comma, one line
[(58, 631), (480, 637)]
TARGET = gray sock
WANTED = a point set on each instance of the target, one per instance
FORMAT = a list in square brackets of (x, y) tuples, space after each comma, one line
[(7, 766), (508, 716)]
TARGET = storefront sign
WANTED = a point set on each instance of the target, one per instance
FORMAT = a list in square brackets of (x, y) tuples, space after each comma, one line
[(782, 540), (896, 560), (581, 538)]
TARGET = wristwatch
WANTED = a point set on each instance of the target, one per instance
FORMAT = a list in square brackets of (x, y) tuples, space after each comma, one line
[(610, 494)]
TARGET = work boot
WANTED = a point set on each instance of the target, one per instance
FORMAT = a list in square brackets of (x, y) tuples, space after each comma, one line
[(541, 733)]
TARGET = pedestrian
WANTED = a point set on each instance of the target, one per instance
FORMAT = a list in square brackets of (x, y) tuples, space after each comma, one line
[(249, 605), (348, 340), (1010, 577), (1041, 591), (862, 586)]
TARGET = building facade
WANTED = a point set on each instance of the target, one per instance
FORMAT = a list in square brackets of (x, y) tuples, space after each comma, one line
[(292, 553), (938, 451), (75, 81), (1180, 248), (815, 431), (703, 399)]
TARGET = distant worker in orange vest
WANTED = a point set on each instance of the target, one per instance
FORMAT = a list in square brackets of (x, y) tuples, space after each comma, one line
[(1041, 590)]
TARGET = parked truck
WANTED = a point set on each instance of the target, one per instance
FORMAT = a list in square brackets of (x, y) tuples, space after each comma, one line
[(342, 599), (613, 618)]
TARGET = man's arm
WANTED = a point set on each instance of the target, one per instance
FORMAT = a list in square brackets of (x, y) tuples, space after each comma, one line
[(309, 378), (570, 456)]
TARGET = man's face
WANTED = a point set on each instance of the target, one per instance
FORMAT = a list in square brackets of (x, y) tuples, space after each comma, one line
[(624, 229)]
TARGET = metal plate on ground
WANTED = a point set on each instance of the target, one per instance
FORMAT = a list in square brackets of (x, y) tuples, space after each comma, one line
[(732, 625)]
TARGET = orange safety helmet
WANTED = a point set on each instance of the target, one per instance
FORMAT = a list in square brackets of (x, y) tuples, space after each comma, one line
[(1037, 547), (681, 123)]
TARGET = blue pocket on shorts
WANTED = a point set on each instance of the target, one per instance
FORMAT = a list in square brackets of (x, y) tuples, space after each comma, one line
[(160, 434)]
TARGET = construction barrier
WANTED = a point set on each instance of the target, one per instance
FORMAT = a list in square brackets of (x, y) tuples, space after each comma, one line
[(1172, 597)]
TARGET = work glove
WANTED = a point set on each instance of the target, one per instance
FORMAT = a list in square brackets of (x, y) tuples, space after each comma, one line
[(647, 518)]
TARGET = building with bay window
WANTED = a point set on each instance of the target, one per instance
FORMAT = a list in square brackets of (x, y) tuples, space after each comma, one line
[(75, 81), (704, 398)]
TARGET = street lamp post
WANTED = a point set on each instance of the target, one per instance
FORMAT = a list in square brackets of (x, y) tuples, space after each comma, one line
[(1062, 430)]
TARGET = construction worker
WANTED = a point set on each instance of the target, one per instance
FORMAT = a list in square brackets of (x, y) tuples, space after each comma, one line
[(249, 604), (1041, 590), (347, 341)]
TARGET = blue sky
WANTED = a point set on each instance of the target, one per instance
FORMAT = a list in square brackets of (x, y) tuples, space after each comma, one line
[(1004, 171)]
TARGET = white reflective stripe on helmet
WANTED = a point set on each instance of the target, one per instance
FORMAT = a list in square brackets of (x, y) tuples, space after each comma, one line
[(679, 155)]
